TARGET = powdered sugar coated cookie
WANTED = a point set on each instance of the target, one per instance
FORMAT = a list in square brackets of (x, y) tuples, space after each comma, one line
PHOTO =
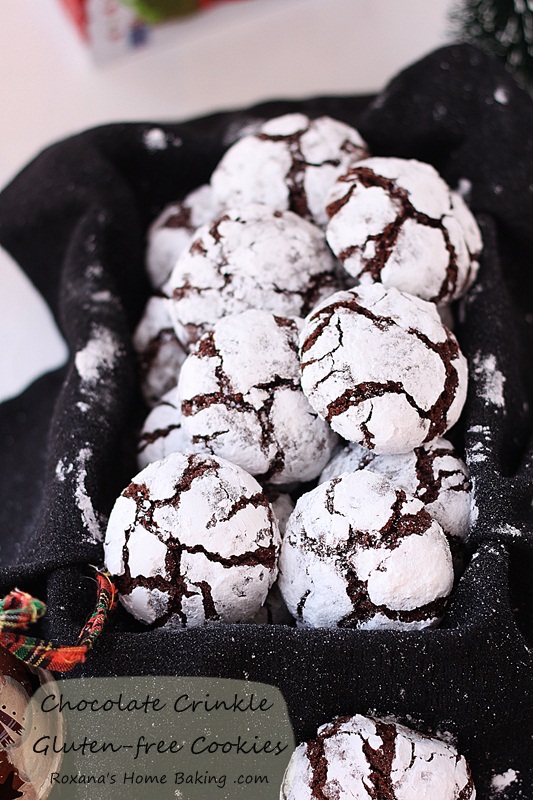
[(172, 232), (396, 221), (249, 258), (159, 352), (162, 433), (192, 540), (289, 163), (382, 369), (360, 758), (433, 473), (241, 399), (357, 552)]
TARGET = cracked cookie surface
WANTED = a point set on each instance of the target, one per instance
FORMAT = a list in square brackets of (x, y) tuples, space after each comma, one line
[(396, 222), (241, 399), (253, 257), (162, 433), (172, 232), (159, 352), (289, 163), (380, 367), (433, 473), (191, 540), (360, 553), (364, 758)]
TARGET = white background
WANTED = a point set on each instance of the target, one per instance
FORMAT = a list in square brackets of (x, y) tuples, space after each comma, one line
[(224, 58)]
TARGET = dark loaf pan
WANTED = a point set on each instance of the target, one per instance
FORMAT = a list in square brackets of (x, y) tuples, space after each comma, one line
[(87, 202)]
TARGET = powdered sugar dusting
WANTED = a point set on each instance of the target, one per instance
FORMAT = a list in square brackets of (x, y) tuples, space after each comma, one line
[(464, 188), (501, 782), (252, 257), (491, 379), (433, 242), (62, 470), (482, 429), (509, 530), (93, 271), (353, 377), (433, 473), (102, 297), (227, 559), (290, 162), (362, 755), (501, 95), (98, 355), (381, 588), (159, 352), (253, 411), (474, 510), (172, 232), (78, 472), (155, 139), (83, 501), (477, 453)]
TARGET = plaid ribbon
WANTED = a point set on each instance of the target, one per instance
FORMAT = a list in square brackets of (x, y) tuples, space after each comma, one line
[(19, 610)]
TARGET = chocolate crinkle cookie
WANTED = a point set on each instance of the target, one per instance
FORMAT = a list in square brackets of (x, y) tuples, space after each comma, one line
[(241, 399), (397, 222), (173, 230), (162, 433), (360, 553), (433, 473), (289, 163), (192, 540), (159, 352), (362, 758), (253, 257), (381, 368)]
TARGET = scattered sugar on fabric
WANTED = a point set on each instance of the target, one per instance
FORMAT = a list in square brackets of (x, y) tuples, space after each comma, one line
[(477, 453), (501, 782), (81, 496), (491, 379), (155, 139), (97, 356), (484, 429), (62, 470), (501, 95), (102, 297), (439, 112), (90, 243), (464, 188), (94, 271), (474, 510), (83, 501), (509, 530)]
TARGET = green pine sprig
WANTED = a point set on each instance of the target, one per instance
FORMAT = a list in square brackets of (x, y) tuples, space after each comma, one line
[(503, 28)]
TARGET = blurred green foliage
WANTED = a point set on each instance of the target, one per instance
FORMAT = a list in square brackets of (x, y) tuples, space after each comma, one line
[(153, 11), (503, 28)]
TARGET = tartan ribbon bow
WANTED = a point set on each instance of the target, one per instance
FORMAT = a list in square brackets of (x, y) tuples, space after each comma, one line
[(18, 610)]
